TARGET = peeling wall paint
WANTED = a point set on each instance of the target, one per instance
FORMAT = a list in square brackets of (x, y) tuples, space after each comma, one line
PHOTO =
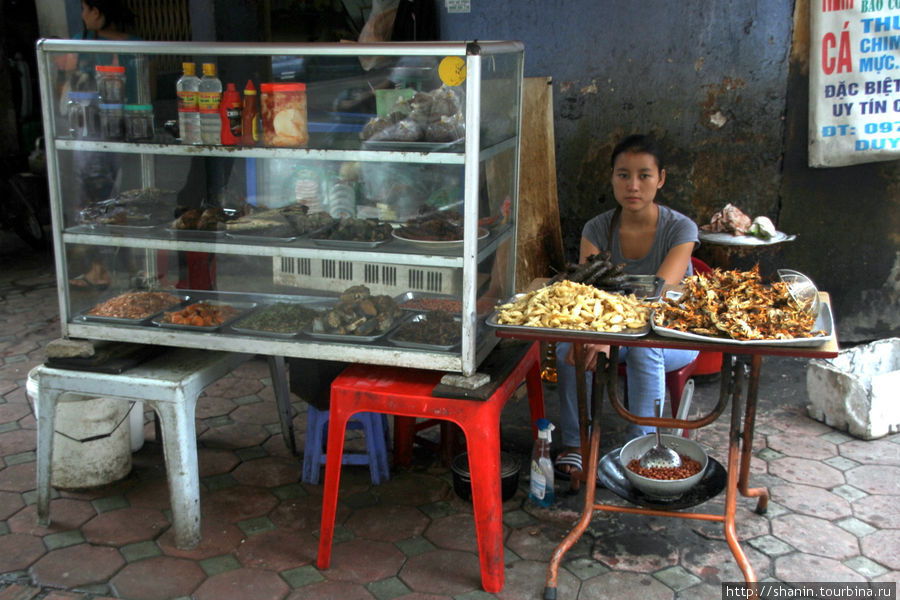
[(724, 86)]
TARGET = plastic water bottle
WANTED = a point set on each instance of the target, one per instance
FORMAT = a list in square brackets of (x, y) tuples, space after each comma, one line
[(541, 490), (209, 95), (188, 110)]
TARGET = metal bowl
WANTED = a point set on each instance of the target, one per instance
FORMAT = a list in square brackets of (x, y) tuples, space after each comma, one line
[(509, 475), (802, 289), (662, 488)]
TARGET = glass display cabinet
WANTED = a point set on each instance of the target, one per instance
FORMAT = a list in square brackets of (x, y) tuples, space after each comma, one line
[(369, 215)]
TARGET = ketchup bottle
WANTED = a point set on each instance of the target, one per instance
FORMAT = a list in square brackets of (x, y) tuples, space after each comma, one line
[(230, 111), (250, 116)]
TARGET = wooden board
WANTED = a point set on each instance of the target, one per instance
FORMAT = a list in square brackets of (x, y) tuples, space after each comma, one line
[(539, 248)]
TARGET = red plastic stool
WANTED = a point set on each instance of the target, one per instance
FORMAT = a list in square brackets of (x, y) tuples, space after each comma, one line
[(408, 392)]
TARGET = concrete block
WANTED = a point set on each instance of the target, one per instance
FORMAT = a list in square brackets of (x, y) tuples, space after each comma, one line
[(857, 391)]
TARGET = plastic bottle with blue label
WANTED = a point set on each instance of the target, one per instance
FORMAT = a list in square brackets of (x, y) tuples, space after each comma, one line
[(541, 490)]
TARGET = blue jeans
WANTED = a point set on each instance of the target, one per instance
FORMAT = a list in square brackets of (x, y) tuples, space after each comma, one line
[(646, 369)]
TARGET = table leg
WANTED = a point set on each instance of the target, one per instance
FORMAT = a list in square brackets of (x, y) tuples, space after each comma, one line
[(606, 368), (747, 440), (278, 371), (45, 401)]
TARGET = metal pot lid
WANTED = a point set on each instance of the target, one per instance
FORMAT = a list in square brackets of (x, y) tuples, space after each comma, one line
[(509, 464)]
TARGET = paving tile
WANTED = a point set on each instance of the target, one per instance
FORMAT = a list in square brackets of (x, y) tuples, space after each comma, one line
[(219, 564), (109, 503), (153, 493), (871, 452), (798, 566), (158, 577), (414, 546), (216, 537), (677, 578), (256, 526), (388, 588), (805, 471), (17, 478), (849, 493), (442, 572), (640, 551), (362, 561), (18, 592), (302, 576), (140, 551), (625, 586), (13, 411), (268, 472), (213, 406), (865, 567), (237, 503), (583, 568), (278, 550), (387, 523), (412, 489), (304, 513), (534, 542), (455, 532), (883, 547), (882, 512), (855, 526), (215, 461), (63, 539), (234, 585), (419, 596), (331, 590), (814, 448), (125, 526), (77, 566), (10, 504), (20, 551), (253, 410), (812, 501), (236, 435), (876, 479), (840, 463), (770, 545), (815, 536), (253, 452), (714, 563)]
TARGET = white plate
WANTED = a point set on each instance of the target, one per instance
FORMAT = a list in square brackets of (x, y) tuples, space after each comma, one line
[(824, 321), (439, 244), (728, 239)]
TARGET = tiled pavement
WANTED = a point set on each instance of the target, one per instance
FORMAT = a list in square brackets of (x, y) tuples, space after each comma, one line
[(834, 515)]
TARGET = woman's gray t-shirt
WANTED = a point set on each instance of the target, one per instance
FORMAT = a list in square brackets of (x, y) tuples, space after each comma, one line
[(672, 229)]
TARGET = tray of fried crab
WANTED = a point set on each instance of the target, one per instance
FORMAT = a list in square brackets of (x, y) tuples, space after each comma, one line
[(738, 307), (572, 310)]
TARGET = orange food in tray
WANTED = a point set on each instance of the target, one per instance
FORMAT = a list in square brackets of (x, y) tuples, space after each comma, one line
[(201, 314)]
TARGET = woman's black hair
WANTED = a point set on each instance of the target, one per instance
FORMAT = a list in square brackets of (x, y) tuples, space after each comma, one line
[(114, 12), (645, 144)]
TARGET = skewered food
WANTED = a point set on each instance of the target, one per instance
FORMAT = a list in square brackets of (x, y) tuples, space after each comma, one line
[(599, 271), (736, 305), (138, 207), (443, 226), (134, 305), (569, 305)]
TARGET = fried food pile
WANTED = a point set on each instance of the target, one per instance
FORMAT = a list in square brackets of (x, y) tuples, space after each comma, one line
[(736, 305), (569, 305)]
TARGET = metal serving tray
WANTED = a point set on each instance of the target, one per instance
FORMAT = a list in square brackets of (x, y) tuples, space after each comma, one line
[(646, 287), (824, 321), (242, 308), (412, 296), (415, 318), (180, 299), (580, 334), (239, 326)]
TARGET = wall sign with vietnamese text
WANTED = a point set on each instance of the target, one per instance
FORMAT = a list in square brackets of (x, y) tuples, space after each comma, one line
[(854, 82)]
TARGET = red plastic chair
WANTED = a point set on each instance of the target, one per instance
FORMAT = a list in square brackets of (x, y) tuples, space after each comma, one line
[(408, 392)]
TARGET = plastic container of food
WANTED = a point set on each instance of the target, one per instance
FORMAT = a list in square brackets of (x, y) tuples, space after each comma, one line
[(139, 122), (284, 118), (111, 84), (112, 122), (801, 289)]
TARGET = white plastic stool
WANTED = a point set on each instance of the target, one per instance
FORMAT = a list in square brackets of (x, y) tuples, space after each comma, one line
[(170, 384)]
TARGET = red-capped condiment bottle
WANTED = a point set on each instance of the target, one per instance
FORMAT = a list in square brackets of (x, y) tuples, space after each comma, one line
[(230, 111), (250, 116)]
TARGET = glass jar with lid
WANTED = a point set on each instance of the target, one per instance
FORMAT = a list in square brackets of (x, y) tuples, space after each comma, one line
[(139, 122), (112, 122), (111, 84)]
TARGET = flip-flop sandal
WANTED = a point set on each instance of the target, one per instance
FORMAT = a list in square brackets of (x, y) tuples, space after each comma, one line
[(81, 282), (570, 459)]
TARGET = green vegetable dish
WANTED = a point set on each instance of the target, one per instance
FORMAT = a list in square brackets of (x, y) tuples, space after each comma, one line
[(282, 318)]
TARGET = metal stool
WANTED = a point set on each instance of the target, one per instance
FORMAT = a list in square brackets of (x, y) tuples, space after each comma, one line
[(409, 392)]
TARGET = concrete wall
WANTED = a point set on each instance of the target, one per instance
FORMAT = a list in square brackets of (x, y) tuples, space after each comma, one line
[(724, 86)]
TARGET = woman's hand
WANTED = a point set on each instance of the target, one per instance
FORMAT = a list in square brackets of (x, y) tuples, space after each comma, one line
[(590, 355)]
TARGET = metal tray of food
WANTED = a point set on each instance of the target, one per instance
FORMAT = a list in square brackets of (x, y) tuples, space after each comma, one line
[(563, 334), (419, 302), (197, 235), (344, 337), (348, 244), (139, 318), (411, 321), (239, 310), (646, 287), (824, 322), (260, 239), (266, 321)]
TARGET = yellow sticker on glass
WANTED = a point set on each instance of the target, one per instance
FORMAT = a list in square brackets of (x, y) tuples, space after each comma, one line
[(452, 70)]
